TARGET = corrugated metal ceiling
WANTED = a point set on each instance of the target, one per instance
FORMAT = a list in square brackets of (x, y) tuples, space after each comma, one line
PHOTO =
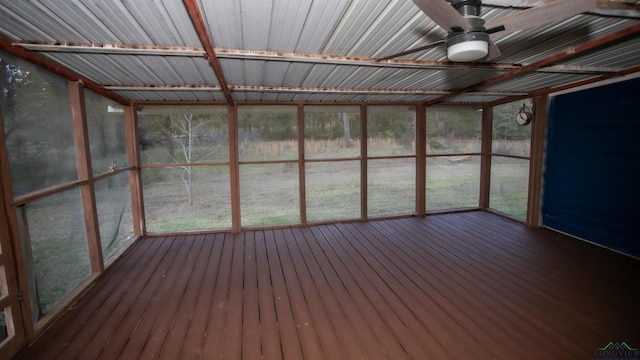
[(304, 50)]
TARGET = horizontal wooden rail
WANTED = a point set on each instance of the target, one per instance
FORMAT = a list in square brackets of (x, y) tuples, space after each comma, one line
[(39, 194), (180, 165)]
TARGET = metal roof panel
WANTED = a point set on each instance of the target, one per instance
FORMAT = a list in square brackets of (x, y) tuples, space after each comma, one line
[(352, 29), (137, 70), (87, 21)]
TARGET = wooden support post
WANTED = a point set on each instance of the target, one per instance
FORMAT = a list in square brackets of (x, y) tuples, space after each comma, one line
[(234, 168), (301, 166), (85, 172), (421, 159), (14, 261), (363, 162), (28, 271), (536, 162), (485, 157), (135, 175)]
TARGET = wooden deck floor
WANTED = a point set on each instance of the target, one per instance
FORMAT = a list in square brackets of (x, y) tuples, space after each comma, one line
[(460, 286)]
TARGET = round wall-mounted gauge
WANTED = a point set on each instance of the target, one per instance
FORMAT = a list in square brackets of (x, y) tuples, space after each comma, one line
[(524, 116)]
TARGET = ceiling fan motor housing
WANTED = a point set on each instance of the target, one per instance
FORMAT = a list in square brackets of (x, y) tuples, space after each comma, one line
[(470, 45), (467, 7)]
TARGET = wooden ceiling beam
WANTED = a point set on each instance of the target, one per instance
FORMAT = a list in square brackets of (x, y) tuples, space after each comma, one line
[(615, 8), (553, 59), (112, 49), (290, 89), (593, 80), (42, 61), (207, 43), (552, 90), (262, 55), (257, 55)]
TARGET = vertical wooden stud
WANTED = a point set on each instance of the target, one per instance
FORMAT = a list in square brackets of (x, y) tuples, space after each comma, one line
[(135, 173), (28, 271), (421, 159), (234, 165), (85, 172), (15, 261), (363, 162), (485, 157), (301, 166), (536, 162)]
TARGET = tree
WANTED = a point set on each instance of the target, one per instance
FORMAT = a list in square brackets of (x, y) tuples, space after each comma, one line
[(36, 117), (504, 123), (191, 135)]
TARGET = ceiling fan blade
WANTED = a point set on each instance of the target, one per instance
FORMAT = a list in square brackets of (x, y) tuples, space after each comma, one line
[(540, 15), (494, 52), (411, 51), (443, 14)]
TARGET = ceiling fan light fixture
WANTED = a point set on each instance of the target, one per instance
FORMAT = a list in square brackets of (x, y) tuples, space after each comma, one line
[(468, 51), (467, 46)]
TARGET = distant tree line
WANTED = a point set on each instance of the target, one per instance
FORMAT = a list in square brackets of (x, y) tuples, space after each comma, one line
[(36, 116), (37, 122)]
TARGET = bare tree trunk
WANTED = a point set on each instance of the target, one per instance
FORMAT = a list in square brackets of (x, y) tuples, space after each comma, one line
[(170, 135), (183, 132), (187, 180), (347, 130)]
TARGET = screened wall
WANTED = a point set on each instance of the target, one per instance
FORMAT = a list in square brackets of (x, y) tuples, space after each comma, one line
[(88, 175), (301, 164), (69, 180)]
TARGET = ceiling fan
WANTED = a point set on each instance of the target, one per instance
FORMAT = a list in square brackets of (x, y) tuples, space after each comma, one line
[(468, 39)]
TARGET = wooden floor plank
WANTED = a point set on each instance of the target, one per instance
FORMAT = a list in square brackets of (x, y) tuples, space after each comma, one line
[(443, 279), (105, 322), (324, 278), (367, 327), (495, 294), (165, 301), (385, 342), (95, 303), (530, 298), (284, 308), (319, 314), (584, 278), (186, 338), (250, 308), (145, 309), (415, 293), (157, 321), (420, 315), (218, 325), (212, 309), (269, 329), (381, 297), (232, 341), (461, 286), (305, 326)]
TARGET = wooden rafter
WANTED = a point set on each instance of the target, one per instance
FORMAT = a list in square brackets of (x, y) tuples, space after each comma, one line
[(261, 55), (257, 55), (112, 49), (207, 43), (621, 8), (40, 60), (548, 61), (626, 72), (546, 91), (289, 89)]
